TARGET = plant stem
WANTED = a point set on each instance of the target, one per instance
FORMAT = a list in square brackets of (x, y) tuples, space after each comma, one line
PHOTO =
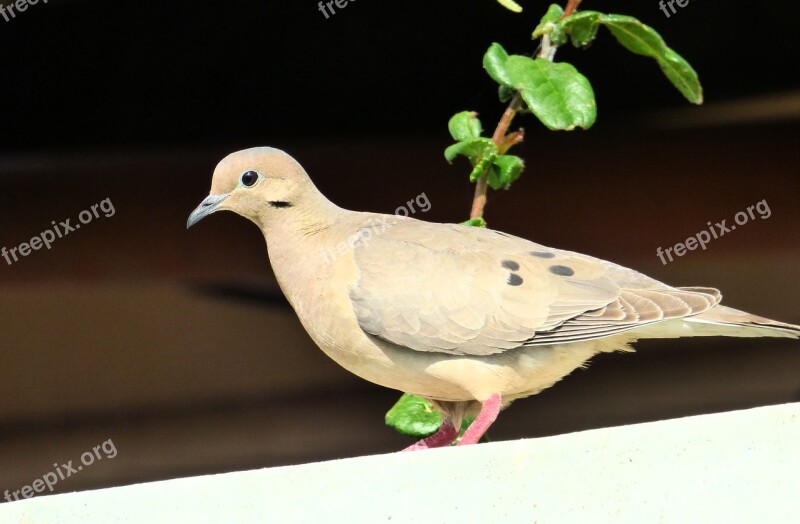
[(479, 199), (501, 138), (572, 6), (503, 144)]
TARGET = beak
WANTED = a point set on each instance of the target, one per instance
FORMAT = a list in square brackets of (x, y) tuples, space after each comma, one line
[(206, 207)]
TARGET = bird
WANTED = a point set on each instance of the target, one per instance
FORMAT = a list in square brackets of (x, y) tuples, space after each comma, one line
[(468, 318)]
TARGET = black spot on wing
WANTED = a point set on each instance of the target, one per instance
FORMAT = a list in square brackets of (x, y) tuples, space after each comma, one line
[(542, 254), (510, 264), (562, 271), (514, 280)]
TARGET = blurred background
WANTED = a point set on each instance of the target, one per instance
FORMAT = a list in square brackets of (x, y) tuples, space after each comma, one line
[(178, 345)]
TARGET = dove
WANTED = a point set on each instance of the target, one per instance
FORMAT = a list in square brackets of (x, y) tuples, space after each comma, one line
[(468, 318)]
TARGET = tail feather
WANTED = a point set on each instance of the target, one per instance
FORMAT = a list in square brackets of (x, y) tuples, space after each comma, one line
[(721, 321), (726, 316)]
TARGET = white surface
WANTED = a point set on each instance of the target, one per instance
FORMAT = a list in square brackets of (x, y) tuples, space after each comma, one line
[(733, 467)]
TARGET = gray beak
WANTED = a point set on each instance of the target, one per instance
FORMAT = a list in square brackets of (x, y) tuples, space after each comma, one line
[(206, 207)]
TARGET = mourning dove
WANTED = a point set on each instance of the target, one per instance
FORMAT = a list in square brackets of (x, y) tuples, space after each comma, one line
[(468, 318)]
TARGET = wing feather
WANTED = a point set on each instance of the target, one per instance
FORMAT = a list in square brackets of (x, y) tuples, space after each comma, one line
[(471, 291)]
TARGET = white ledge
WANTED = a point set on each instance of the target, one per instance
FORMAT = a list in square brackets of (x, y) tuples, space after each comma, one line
[(741, 466)]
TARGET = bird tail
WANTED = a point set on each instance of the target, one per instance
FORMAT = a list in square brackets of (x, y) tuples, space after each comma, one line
[(721, 321)]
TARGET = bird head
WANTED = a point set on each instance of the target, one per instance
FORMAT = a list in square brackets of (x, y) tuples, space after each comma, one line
[(255, 183)]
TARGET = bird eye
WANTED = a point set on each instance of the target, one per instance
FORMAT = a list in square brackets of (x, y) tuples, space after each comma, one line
[(249, 178)]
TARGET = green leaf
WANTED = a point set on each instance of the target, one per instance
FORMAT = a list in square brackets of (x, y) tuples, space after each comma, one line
[(557, 36), (465, 125), (482, 165), (682, 75), (644, 40), (505, 93), (507, 170), (494, 61), (475, 222), (474, 149), (582, 27), (634, 35), (639, 39), (494, 179), (480, 151), (511, 5), (414, 416), (553, 15), (557, 93)]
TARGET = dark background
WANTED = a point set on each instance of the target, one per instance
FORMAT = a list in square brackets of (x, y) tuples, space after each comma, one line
[(88, 74), (178, 346)]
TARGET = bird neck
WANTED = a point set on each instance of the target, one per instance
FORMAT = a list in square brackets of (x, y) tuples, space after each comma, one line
[(295, 234)]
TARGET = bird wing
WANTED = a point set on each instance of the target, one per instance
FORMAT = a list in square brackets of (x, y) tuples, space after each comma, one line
[(471, 291)]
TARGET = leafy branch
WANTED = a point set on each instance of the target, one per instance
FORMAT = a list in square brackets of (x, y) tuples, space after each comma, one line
[(560, 97)]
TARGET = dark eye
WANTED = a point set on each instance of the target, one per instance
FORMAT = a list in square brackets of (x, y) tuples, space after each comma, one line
[(249, 178)]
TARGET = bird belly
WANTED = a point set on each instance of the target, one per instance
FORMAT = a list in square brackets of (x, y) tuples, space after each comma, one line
[(515, 373)]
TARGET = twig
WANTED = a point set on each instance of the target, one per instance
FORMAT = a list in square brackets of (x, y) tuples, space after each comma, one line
[(503, 143), (501, 138), (572, 6)]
